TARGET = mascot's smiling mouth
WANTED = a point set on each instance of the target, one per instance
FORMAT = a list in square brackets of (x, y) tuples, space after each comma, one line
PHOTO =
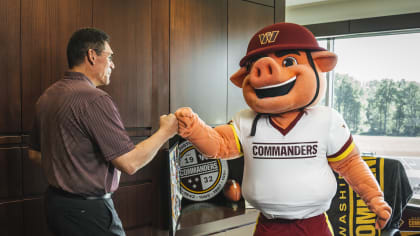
[(276, 90)]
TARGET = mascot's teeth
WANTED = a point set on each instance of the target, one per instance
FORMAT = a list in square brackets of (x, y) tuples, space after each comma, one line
[(278, 85)]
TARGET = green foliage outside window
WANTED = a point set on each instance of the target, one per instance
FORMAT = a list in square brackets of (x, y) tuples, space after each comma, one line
[(384, 107)]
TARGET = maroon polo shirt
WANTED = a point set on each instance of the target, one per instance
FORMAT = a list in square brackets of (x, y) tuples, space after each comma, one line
[(78, 131)]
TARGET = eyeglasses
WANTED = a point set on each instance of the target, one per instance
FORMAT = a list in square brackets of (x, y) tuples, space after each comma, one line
[(109, 57)]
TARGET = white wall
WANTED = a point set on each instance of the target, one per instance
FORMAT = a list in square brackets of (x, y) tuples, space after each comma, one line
[(306, 12)]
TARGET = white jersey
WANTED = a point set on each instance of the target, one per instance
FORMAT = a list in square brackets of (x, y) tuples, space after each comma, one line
[(286, 172)]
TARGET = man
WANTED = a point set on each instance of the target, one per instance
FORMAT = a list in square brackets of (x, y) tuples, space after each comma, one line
[(83, 143)]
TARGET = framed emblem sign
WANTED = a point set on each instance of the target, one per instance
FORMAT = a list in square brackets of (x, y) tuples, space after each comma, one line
[(201, 178)]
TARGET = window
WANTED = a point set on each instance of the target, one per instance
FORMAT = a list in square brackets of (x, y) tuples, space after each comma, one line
[(376, 87)]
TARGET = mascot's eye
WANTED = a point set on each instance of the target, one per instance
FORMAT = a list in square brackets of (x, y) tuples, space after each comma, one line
[(289, 61)]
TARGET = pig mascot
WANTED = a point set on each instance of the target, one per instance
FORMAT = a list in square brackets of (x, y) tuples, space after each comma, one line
[(291, 146)]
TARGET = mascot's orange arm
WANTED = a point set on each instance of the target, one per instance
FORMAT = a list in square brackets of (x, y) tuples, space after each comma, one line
[(220, 142), (358, 175)]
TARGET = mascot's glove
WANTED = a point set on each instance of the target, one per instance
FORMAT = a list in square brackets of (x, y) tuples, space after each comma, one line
[(187, 121), (214, 143), (358, 175), (382, 211)]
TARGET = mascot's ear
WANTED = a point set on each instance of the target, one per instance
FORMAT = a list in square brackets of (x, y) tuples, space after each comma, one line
[(239, 77), (325, 60)]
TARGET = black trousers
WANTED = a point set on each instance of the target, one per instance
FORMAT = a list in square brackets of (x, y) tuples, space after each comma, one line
[(75, 216)]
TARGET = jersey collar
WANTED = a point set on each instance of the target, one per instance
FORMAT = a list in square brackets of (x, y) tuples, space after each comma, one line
[(289, 127)]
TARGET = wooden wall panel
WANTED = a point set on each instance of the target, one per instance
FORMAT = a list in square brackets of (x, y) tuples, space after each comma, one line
[(10, 173), (257, 17), (143, 33), (129, 25), (161, 190), (46, 28), (133, 204), (142, 205), (11, 219), (198, 57), (10, 139), (160, 60), (10, 101)]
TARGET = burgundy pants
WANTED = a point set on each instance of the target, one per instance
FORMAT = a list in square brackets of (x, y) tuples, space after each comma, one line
[(317, 225)]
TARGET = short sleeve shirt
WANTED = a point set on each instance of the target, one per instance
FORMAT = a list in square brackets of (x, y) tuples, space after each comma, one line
[(286, 171), (78, 131)]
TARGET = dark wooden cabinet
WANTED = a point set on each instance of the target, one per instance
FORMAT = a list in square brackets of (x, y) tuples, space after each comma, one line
[(34, 222), (11, 218), (34, 181), (10, 97), (133, 204), (10, 173), (168, 53), (45, 30)]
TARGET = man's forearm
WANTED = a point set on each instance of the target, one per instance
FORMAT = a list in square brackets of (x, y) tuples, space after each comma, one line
[(147, 149), (142, 154)]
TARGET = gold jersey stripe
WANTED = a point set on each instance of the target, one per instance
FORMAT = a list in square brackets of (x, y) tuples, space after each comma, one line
[(351, 211), (329, 224), (256, 223), (343, 154), (381, 174), (238, 144)]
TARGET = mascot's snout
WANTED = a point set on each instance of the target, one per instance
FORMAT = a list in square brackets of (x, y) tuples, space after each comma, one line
[(266, 79), (265, 70)]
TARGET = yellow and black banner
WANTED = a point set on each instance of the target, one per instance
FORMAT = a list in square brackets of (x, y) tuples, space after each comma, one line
[(349, 215)]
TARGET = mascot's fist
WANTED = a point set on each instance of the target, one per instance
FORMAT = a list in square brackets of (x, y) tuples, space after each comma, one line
[(382, 210), (186, 120), (232, 190)]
